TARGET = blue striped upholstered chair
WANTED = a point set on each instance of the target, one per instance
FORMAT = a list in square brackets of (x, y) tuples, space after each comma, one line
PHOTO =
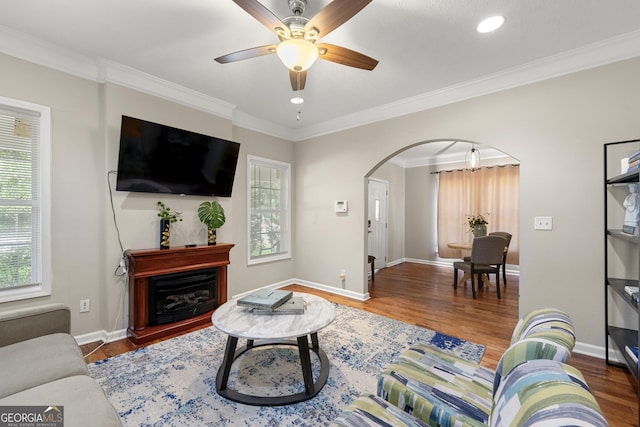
[(440, 389)]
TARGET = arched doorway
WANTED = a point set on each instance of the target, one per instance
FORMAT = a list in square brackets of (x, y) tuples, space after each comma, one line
[(412, 176)]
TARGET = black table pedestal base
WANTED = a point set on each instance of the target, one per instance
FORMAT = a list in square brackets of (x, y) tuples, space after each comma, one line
[(311, 388)]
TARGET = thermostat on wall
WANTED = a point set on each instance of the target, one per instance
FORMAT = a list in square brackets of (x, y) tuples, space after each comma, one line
[(341, 206)]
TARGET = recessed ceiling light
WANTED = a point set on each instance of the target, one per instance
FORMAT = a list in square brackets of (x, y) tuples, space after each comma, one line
[(490, 24), (296, 100)]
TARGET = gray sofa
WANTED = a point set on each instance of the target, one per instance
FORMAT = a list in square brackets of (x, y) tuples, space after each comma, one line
[(42, 365)]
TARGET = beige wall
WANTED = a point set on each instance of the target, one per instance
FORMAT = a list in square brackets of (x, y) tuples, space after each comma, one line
[(421, 214), (78, 203), (556, 129), (85, 139)]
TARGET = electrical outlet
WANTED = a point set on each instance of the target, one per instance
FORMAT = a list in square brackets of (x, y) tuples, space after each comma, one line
[(85, 305), (543, 223)]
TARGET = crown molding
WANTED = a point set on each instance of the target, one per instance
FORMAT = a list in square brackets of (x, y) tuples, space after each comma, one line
[(44, 53), (250, 122), (594, 55), (41, 52), (38, 51), (122, 75)]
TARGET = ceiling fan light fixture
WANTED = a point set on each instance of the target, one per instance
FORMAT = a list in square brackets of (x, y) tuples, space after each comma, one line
[(490, 24), (297, 54), (296, 100)]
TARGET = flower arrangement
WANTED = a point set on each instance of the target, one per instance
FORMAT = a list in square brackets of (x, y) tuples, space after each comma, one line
[(167, 214), (475, 220)]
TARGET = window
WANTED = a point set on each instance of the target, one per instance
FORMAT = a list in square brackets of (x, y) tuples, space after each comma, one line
[(25, 260), (490, 191), (269, 196)]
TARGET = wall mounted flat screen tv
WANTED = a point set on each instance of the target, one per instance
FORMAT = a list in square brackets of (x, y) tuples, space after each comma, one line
[(156, 158)]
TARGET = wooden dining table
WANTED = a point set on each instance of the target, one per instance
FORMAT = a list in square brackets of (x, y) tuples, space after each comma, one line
[(465, 250)]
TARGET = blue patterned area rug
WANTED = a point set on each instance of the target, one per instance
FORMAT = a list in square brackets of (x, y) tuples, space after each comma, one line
[(172, 383)]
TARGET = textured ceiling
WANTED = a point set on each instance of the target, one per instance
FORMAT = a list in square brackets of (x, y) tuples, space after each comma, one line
[(425, 48)]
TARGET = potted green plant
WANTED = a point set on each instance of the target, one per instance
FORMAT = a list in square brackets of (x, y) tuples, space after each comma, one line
[(478, 224), (211, 214), (167, 217)]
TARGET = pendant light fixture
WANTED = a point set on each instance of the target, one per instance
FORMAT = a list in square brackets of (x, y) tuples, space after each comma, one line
[(472, 158)]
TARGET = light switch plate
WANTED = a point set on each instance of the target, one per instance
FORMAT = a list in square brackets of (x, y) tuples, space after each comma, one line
[(543, 223)]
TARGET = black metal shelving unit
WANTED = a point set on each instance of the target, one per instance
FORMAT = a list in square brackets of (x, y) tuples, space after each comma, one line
[(628, 273)]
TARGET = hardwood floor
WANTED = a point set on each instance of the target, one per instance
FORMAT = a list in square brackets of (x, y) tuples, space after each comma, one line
[(423, 295)]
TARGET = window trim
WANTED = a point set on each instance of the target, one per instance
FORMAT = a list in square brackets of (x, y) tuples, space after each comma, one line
[(43, 288), (286, 202)]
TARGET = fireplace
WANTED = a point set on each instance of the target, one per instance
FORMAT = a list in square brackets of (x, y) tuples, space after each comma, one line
[(178, 296), (188, 284)]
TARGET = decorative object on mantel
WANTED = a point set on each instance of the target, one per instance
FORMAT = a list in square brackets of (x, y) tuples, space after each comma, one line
[(478, 224), (167, 217), (211, 214)]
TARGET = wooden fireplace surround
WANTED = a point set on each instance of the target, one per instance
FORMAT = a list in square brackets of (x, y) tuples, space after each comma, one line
[(146, 263)]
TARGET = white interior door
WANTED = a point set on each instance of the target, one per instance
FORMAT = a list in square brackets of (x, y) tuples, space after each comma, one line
[(378, 194)]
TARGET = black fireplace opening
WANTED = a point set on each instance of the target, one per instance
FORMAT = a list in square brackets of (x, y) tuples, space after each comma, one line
[(178, 296)]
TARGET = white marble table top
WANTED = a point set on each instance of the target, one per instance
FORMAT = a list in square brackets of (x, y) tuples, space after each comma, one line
[(238, 321)]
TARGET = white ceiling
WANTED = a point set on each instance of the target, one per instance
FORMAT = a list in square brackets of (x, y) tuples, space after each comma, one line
[(429, 52)]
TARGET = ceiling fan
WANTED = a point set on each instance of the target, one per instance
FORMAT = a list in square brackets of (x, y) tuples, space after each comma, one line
[(299, 48)]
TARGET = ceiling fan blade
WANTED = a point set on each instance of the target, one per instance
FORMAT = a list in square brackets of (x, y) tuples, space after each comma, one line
[(334, 14), (298, 79), (344, 56), (241, 55), (264, 16)]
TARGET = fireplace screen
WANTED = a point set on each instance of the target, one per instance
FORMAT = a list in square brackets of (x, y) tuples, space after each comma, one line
[(178, 296)]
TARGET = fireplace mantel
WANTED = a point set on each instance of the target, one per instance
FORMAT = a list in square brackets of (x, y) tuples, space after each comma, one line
[(146, 263)]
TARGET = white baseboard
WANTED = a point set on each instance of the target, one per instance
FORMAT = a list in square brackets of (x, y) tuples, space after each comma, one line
[(333, 290), (101, 335), (396, 262), (429, 262)]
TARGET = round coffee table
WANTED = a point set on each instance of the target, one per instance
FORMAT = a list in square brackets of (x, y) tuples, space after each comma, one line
[(239, 322)]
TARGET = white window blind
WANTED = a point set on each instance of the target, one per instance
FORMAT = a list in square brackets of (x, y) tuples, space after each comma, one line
[(22, 203), (269, 210)]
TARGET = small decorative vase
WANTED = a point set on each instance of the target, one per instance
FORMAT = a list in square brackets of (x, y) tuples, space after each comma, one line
[(480, 230), (211, 236), (165, 233)]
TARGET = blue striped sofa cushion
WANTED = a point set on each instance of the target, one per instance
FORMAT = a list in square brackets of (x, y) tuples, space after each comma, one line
[(545, 393), (370, 410), (548, 323), (525, 350), (438, 388)]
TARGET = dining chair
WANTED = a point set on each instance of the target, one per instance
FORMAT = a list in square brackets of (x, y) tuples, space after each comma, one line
[(486, 257), (507, 236)]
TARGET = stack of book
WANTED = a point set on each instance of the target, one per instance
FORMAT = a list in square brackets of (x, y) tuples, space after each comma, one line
[(632, 291), (632, 351), (273, 301), (630, 229), (634, 162)]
